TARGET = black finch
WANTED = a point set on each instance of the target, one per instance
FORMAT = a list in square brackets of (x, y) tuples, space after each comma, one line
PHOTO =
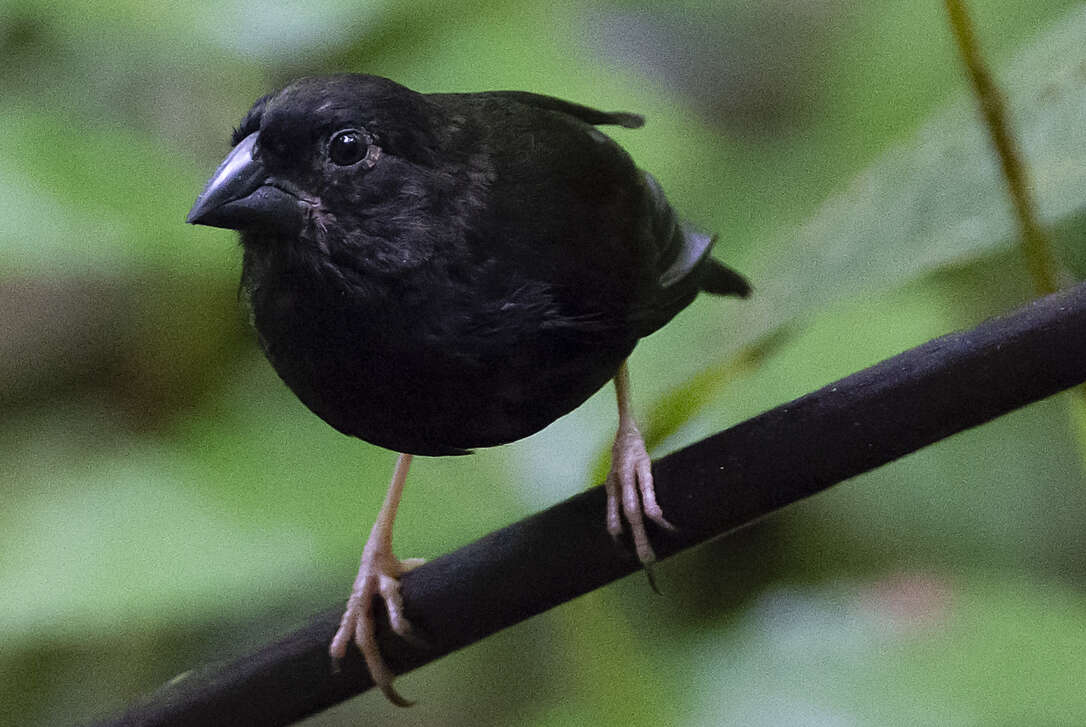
[(438, 272)]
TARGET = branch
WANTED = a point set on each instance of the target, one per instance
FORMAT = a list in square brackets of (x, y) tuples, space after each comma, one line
[(719, 484)]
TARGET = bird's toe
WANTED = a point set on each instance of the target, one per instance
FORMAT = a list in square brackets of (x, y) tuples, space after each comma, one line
[(378, 575), (631, 495)]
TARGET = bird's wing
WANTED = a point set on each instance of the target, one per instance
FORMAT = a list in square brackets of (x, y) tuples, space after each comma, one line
[(687, 251), (683, 265), (597, 233)]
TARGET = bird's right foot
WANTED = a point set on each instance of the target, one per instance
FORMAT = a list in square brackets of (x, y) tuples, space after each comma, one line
[(378, 575)]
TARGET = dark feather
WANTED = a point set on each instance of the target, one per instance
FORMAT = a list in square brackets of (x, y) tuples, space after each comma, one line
[(487, 266)]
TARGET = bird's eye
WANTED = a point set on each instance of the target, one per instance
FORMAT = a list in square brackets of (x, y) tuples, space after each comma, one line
[(347, 147)]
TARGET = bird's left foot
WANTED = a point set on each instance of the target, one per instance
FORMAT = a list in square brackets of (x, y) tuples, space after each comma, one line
[(630, 492)]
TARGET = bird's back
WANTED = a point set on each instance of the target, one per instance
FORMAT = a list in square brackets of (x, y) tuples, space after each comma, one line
[(571, 203)]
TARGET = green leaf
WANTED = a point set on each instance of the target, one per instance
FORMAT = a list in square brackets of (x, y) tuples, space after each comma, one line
[(80, 199), (907, 649), (112, 540), (938, 199), (934, 201)]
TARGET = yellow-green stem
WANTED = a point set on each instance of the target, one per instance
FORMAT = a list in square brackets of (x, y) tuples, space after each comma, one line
[(1035, 247)]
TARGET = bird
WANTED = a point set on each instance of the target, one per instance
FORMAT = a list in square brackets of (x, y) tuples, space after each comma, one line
[(435, 273)]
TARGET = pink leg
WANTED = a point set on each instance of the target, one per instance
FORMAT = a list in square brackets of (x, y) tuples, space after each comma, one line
[(629, 486), (378, 574)]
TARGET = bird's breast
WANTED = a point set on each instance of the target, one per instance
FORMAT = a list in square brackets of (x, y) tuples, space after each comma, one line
[(429, 374)]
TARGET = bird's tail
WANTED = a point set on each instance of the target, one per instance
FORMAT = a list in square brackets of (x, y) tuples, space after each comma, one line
[(719, 279)]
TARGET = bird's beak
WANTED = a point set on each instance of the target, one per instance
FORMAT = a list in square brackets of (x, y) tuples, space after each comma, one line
[(241, 196)]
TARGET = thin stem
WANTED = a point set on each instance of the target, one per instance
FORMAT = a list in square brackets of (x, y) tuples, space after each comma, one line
[(1035, 247)]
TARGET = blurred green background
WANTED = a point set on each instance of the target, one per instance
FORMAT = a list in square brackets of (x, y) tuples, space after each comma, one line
[(167, 502)]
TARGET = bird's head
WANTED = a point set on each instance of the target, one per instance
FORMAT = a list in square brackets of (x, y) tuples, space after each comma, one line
[(325, 152)]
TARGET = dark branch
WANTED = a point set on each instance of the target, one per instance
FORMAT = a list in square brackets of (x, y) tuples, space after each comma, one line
[(784, 455)]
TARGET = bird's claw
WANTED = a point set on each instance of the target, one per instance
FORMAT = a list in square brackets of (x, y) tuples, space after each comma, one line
[(378, 575), (631, 494)]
